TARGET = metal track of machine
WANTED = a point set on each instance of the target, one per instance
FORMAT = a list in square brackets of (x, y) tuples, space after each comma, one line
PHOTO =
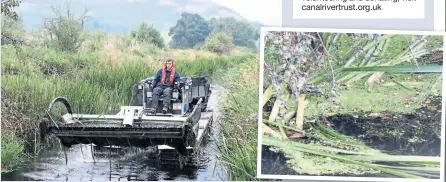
[(182, 128)]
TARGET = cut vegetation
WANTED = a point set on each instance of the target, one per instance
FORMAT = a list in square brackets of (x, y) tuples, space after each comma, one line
[(369, 104)]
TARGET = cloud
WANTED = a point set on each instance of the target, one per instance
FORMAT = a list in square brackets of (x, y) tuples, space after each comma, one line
[(123, 1), (194, 8), (25, 6), (267, 12), (201, 1), (206, 8), (135, 1), (169, 3), (224, 13), (166, 26)]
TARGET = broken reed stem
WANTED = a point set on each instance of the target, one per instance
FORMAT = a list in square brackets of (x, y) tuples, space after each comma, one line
[(273, 116), (300, 113)]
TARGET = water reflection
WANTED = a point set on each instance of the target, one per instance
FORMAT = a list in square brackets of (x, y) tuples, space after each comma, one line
[(88, 163)]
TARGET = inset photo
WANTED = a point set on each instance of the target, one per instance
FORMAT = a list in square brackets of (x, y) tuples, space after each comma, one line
[(361, 105)]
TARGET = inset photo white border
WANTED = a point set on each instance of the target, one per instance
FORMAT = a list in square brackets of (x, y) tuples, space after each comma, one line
[(439, 16), (264, 30)]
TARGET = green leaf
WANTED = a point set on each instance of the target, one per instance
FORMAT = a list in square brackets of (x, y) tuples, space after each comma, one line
[(405, 69), (309, 149)]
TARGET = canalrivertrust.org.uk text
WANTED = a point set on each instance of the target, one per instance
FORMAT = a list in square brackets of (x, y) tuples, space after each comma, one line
[(358, 9)]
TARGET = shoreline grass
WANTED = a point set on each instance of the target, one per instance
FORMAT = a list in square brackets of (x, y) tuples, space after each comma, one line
[(238, 152)]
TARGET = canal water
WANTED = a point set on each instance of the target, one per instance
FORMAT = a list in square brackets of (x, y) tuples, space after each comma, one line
[(88, 163)]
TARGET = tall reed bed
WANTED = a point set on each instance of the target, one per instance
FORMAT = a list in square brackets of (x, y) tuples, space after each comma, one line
[(238, 151), (210, 67), (90, 89)]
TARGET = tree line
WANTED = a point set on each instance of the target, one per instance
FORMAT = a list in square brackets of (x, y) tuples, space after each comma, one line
[(191, 31)]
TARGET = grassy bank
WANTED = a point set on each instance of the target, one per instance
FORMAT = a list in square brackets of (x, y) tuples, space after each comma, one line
[(239, 121), (95, 81), (387, 96)]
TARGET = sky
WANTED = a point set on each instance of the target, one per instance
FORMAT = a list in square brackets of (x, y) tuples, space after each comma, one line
[(123, 15)]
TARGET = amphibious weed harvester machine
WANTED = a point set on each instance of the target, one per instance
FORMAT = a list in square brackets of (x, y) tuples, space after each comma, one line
[(180, 130)]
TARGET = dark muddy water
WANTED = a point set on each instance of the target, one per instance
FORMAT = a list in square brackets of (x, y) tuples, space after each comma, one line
[(417, 133), (87, 163)]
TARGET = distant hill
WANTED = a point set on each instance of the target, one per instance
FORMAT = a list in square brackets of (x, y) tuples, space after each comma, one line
[(120, 16)]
